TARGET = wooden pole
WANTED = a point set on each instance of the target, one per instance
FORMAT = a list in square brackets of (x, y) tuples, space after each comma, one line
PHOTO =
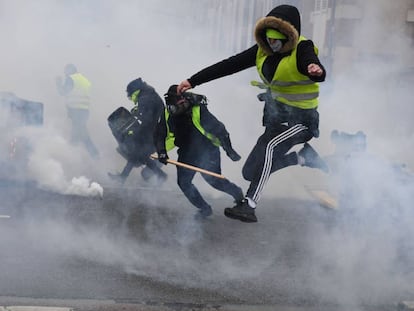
[(191, 167)]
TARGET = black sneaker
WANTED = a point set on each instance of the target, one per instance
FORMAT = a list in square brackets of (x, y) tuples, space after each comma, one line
[(312, 159), (242, 211)]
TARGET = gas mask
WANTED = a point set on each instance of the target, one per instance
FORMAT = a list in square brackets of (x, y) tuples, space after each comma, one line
[(176, 104)]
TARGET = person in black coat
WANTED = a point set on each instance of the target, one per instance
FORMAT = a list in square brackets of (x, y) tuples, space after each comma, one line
[(290, 69), (198, 134), (136, 142)]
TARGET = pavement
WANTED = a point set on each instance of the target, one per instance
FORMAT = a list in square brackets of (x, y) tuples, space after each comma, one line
[(134, 250), (92, 305)]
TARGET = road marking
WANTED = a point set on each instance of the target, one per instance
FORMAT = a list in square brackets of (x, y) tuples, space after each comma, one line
[(34, 308), (4, 216)]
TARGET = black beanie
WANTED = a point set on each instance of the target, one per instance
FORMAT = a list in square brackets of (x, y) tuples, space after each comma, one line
[(172, 90), (134, 86)]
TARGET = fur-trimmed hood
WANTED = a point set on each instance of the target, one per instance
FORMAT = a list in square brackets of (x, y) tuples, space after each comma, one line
[(284, 18)]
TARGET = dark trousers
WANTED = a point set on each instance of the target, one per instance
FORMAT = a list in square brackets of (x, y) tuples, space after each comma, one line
[(137, 152), (209, 160), (80, 134), (270, 154)]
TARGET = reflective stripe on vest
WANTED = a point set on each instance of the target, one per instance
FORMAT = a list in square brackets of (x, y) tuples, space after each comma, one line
[(169, 139), (288, 85), (196, 121), (79, 97), (195, 118)]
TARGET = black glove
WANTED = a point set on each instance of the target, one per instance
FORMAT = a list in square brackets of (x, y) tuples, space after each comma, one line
[(226, 144), (163, 157), (261, 97), (265, 97)]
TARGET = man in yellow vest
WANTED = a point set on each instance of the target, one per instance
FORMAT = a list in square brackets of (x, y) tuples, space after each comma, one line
[(75, 88), (189, 125), (290, 70)]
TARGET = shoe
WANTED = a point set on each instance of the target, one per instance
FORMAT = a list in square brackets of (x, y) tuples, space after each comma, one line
[(203, 213), (147, 173), (161, 178), (117, 177), (155, 178), (241, 211), (312, 159)]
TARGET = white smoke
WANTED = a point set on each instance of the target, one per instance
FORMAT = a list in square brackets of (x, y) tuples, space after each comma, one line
[(353, 256), (46, 165)]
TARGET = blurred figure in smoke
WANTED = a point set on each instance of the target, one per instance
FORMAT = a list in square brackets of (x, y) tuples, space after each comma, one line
[(350, 152), (75, 88), (347, 147), (135, 131), (189, 125), (367, 185), (290, 69)]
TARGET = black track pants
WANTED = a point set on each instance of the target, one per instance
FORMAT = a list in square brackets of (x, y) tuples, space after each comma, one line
[(270, 154)]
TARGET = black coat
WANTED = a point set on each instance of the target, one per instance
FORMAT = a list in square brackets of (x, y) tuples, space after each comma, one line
[(187, 136), (138, 146), (150, 107)]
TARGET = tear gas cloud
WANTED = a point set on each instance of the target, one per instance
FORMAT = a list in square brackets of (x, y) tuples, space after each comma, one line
[(114, 42)]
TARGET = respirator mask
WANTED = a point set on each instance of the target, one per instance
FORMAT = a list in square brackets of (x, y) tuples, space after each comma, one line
[(275, 39), (275, 45), (176, 104)]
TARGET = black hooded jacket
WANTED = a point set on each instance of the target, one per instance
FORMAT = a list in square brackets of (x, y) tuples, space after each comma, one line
[(150, 107), (187, 137), (286, 19)]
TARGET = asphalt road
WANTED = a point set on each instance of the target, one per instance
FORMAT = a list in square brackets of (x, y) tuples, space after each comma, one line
[(140, 249)]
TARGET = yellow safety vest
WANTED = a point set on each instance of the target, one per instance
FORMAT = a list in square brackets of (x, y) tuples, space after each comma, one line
[(195, 118), (288, 85), (169, 139), (79, 97)]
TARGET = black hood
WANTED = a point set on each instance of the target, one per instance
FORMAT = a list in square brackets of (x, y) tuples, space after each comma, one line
[(135, 85), (171, 97), (284, 18)]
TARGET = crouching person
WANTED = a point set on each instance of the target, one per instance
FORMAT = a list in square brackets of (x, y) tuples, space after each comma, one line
[(134, 131)]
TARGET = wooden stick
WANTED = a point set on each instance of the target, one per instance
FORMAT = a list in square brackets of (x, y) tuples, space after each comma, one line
[(324, 198), (191, 167)]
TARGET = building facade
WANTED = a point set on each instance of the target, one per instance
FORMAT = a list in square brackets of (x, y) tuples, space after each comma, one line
[(346, 31)]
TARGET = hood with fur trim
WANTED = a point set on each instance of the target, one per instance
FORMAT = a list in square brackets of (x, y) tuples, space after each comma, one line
[(284, 18)]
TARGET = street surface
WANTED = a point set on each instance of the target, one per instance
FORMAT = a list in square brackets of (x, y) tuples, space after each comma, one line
[(141, 249)]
